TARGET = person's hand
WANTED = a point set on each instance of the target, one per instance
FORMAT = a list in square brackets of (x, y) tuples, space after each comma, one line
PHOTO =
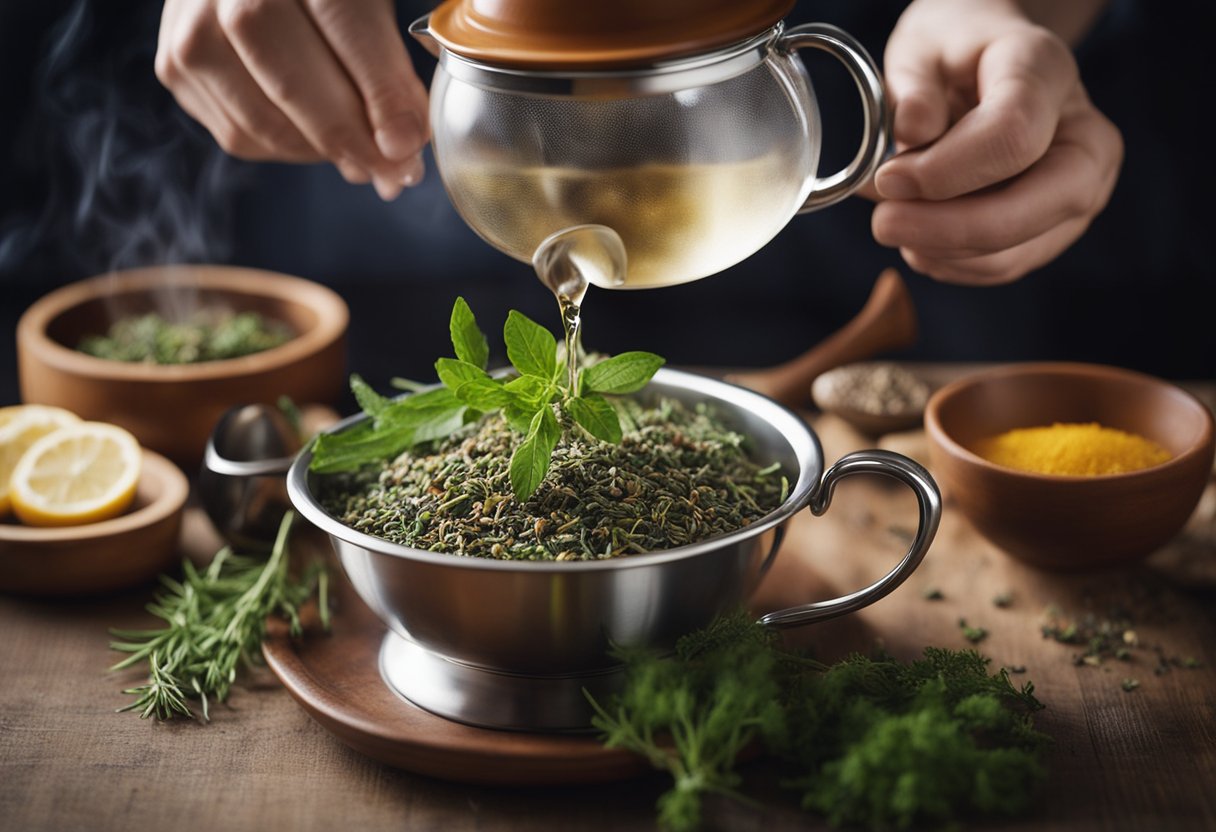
[(300, 81), (1004, 161)]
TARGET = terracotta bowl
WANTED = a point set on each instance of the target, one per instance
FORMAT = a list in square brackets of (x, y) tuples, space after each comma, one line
[(1064, 522), (172, 409), (100, 557)]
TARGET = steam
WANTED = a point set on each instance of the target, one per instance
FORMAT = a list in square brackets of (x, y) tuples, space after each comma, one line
[(131, 179)]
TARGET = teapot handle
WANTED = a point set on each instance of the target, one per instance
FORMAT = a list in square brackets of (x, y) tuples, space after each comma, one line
[(929, 499), (875, 107)]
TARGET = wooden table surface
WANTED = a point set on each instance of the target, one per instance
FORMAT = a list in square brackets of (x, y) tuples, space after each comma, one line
[(1144, 759)]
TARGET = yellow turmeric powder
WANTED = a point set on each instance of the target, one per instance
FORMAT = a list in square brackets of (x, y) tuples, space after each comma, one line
[(1072, 450)]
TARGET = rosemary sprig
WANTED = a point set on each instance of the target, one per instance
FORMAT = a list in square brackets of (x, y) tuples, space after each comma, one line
[(214, 621)]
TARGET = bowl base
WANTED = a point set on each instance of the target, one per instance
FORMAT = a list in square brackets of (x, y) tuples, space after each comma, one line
[(488, 699)]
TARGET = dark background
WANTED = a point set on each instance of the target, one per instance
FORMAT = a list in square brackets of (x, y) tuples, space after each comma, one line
[(99, 169)]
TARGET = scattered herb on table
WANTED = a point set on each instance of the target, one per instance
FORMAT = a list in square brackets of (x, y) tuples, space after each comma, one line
[(205, 336), (973, 634), (1106, 637), (1130, 685), (932, 593), (214, 621), (869, 740), (1003, 601), (594, 474)]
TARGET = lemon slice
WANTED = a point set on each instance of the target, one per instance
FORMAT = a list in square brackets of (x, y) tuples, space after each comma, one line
[(21, 426), (81, 473)]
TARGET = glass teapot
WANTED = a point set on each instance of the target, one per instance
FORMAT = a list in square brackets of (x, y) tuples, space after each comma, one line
[(688, 127)]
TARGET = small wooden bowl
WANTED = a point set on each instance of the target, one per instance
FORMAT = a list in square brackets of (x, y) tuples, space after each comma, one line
[(1061, 522), (172, 409), (100, 557)]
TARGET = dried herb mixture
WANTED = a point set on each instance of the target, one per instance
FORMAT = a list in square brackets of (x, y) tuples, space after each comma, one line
[(540, 465), (205, 336), (676, 477)]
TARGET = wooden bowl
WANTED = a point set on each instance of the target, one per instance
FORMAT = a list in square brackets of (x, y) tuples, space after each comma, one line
[(100, 557), (172, 409), (1067, 522)]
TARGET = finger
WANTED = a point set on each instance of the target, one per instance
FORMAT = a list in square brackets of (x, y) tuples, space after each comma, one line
[(170, 65), (1024, 77), (352, 173), (1073, 179), (1003, 267), (297, 71), (253, 127), (364, 36), (918, 87)]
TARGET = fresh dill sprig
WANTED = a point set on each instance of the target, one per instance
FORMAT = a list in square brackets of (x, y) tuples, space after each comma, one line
[(869, 741), (214, 621), (688, 718)]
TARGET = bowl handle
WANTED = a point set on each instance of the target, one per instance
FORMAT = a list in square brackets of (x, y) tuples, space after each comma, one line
[(875, 107), (928, 497)]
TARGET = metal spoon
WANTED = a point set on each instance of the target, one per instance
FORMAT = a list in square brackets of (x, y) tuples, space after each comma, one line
[(242, 482)]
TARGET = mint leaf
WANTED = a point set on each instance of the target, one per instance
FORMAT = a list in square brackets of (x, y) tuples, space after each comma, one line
[(369, 400), (531, 459), (484, 394), (354, 448), (531, 389), (467, 339), (439, 425), (519, 416), (596, 416), (531, 348), (421, 417), (419, 408), (624, 373), (454, 372), (433, 414)]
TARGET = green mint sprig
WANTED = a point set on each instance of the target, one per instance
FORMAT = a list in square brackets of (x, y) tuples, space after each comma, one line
[(529, 401)]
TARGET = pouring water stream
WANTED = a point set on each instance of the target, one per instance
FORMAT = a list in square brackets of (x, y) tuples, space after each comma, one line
[(567, 263)]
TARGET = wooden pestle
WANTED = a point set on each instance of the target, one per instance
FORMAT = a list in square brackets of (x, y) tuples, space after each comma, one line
[(886, 322)]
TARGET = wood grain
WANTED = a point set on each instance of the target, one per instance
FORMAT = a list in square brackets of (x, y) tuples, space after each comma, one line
[(1122, 761), (336, 678)]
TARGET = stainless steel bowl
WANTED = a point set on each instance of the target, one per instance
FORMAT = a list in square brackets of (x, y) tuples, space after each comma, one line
[(513, 644)]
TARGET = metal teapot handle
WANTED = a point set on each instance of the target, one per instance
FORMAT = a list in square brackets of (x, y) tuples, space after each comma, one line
[(887, 464), (875, 108)]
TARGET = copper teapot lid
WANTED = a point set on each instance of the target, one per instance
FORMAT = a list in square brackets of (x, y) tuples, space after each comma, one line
[(592, 34)]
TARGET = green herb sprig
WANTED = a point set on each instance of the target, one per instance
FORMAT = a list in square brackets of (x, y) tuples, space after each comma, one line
[(869, 741), (214, 621), (531, 401)]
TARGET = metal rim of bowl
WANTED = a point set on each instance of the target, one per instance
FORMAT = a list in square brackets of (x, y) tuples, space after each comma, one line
[(810, 461)]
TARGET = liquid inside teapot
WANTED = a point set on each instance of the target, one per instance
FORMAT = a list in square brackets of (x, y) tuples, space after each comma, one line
[(678, 222)]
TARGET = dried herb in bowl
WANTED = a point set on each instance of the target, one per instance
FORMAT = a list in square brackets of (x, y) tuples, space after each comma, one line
[(207, 335), (524, 467)]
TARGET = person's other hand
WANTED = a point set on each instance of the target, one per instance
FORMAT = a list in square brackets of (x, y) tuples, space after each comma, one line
[(300, 81), (1003, 160)]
